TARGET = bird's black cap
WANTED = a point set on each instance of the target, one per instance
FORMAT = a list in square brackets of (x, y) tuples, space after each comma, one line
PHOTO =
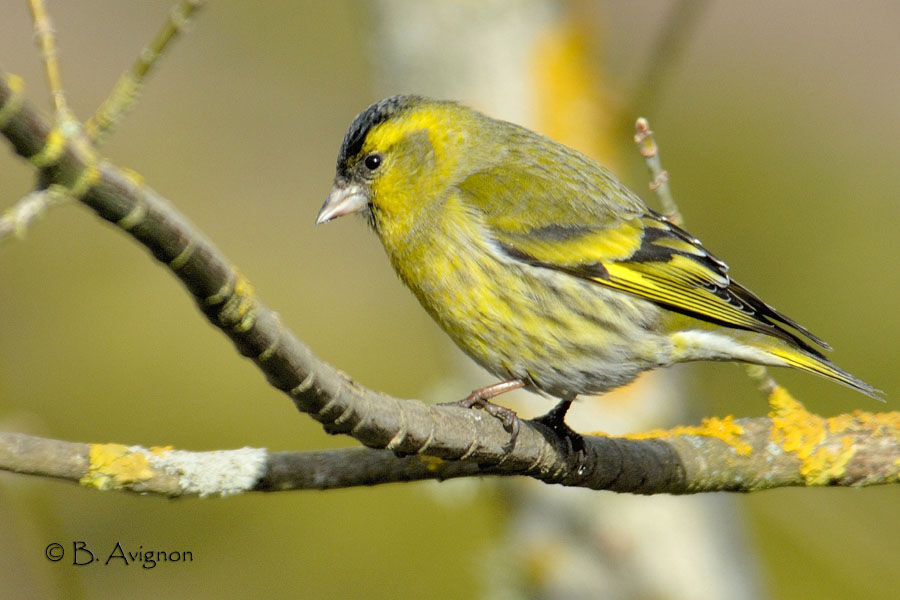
[(365, 121)]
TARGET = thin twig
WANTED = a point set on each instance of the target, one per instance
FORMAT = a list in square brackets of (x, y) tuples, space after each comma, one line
[(46, 39), (659, 177), (16, 220), (124, 94)]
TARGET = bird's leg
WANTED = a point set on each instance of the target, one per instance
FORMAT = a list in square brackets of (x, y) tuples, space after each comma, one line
[(481, 398), (555, 420)]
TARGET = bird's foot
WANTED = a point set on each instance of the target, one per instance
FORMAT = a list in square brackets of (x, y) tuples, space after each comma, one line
[(555, 420), (481, 398)]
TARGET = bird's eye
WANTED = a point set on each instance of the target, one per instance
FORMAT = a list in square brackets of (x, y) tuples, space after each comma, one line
[(372, 161)]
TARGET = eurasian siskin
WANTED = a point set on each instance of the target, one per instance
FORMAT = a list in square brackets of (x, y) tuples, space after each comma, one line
[(540, 264)]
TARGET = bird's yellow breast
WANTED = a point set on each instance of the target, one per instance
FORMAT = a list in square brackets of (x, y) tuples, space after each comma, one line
[(443, 257), (515, 320)]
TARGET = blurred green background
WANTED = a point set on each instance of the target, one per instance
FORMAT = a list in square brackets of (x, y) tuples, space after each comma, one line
[(779, 127)]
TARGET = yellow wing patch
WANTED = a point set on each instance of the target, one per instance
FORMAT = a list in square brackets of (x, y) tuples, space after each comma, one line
[(649, 257), (674, 288), (570, 246)]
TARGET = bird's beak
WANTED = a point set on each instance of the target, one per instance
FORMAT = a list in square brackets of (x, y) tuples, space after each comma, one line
[(345, 198)]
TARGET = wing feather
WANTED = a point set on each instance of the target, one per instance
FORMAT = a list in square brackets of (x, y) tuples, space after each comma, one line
[(626, 246)]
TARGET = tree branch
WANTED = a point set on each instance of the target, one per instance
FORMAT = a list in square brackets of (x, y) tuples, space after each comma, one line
[(720, 454), (701, 459)]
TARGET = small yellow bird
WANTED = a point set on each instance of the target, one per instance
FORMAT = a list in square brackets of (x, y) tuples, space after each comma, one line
[(540, 264)]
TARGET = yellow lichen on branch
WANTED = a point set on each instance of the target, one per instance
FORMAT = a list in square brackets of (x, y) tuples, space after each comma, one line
[(116, 465), (724, 429), (823, 455), (432, 463)]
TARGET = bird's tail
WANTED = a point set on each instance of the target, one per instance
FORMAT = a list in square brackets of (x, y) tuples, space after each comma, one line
[(703, 344), (800, 359)]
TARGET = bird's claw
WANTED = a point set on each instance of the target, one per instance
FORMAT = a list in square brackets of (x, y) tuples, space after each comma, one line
[(555, 420), (507, 416)]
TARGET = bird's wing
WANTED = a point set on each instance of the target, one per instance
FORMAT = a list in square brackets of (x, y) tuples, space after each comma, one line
[(627, 247)]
